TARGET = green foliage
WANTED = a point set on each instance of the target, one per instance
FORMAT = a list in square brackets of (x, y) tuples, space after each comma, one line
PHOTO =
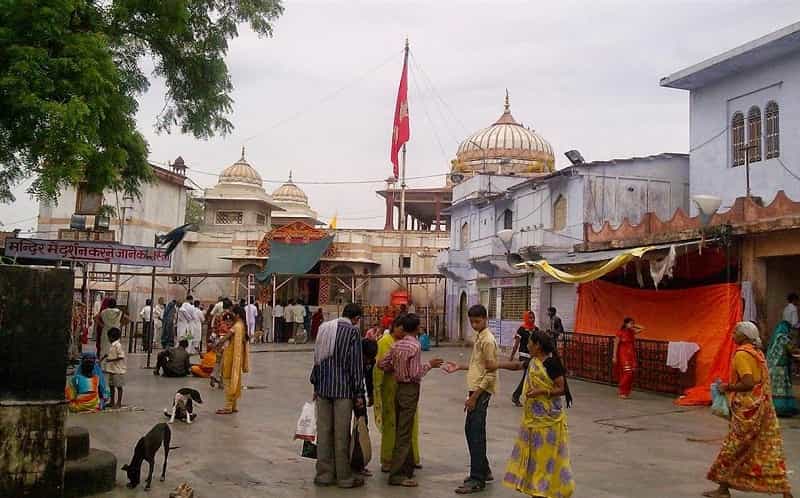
[(194, 211), (70, 75)]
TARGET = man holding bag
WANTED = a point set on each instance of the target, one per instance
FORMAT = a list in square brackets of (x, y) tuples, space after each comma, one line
[(338, 380)]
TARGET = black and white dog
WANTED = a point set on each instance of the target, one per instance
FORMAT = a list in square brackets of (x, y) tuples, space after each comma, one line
[(182, 405)]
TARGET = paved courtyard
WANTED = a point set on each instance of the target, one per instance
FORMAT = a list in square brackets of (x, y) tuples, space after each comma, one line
[(646, 447)]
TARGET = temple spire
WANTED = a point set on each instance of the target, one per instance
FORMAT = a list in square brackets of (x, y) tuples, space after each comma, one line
[(242, 153), (507, 103), (290, 176)]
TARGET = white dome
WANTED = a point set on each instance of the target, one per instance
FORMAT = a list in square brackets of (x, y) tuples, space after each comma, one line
[(290, 193), (506, 146), (241, 172)]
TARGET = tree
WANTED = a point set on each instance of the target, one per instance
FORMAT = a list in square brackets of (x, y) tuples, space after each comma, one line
[(70, 75), (195, 212)]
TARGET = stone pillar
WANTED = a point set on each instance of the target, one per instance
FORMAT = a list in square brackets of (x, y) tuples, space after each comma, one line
[(35, 319), (389, 225), (324, 284), (537, 287)]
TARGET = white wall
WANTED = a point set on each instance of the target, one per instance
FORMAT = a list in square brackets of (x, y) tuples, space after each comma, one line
[(711, 109)]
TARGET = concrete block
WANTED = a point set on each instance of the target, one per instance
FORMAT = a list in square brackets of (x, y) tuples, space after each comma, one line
[(94, 473), (77, 443)]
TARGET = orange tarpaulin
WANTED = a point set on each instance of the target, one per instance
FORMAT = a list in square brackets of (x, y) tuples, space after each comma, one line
[(703, 315)]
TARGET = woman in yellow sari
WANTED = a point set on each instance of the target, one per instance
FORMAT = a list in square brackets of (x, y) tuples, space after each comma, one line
[(235, 361), (539, 465), (385, 391), (751, 457)]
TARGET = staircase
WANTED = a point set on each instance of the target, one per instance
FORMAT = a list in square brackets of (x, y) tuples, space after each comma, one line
[(87, 471)]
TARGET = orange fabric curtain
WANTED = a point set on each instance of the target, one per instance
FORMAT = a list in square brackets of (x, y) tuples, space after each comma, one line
[(703, 315)]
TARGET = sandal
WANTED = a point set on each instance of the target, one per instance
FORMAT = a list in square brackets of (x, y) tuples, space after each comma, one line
[(224, 411), (357, 483), (469, 488), (406, 483)]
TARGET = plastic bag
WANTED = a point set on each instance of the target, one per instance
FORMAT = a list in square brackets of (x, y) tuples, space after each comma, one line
[(307, 423), (360, 444), (309, 450), (719, 402)]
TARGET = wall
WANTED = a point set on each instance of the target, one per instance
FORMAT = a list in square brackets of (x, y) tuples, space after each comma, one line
[(711, 109), (783, 277)]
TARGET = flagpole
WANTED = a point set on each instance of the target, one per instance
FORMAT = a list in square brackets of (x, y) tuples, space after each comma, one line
[(403, 190)]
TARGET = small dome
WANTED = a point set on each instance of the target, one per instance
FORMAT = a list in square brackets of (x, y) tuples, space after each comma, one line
[(289, 193), (241, 172), (505, 147)]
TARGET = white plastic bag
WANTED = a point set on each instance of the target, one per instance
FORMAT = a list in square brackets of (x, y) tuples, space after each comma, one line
[(307, 423)]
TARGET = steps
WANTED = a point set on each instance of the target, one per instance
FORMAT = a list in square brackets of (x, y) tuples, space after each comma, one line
[(87, 471)]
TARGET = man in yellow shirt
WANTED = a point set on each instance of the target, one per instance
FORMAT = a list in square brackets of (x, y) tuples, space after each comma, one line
[(481, 384)]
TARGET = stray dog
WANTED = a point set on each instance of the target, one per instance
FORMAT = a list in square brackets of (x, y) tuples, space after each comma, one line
[(146, 449), (182, 405), (258, 337)]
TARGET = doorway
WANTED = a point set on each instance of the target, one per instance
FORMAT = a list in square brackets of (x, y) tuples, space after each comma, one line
[(463, 319)]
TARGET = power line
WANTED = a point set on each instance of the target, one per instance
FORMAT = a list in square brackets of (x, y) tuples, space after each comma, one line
[(693, 149), (328, 182), (436, 92), (427, 114), (794, 175), (325, 98), (21, 221)]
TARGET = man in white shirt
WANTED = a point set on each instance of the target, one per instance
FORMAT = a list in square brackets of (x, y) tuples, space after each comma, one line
[(266, 314), (186, 317), (197, 326), (298, 317), (144, 316), (279, 313), (216, 311), (251, 312)]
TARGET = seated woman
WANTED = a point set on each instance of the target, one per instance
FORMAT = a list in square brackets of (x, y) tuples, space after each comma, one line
[(87, 390), (208, 361)]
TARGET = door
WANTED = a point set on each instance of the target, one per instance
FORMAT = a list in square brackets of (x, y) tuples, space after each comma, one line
[(564, 297), (463, 319)]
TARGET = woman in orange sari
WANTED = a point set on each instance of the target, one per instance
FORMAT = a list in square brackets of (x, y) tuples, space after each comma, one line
[(624, 356), (751, 457)]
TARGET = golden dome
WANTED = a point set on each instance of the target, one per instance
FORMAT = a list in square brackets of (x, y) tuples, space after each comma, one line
[(289, 193), (240, 172), (505, 147)]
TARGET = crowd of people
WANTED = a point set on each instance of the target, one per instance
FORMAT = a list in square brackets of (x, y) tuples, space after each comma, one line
[(383, 369)]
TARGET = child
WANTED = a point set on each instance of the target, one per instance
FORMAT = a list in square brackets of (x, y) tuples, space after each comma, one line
[(115, 366), (481, 384)]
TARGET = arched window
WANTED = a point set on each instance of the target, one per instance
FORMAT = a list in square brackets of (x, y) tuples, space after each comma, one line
[(508, 220), (754, 133), (737, 139), (560, 213), (772, 142), (464, 235)]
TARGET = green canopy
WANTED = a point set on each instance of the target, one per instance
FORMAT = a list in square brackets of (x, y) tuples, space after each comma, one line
[(293, 259)]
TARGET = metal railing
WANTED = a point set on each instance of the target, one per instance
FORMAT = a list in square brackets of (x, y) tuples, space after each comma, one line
[(589, 357)]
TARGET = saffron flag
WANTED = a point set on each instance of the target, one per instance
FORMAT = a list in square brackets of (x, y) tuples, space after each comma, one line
[(401, 132), (332, 224)]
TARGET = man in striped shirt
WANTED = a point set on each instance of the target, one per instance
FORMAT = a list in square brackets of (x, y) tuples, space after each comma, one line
[(338, 379), (404, 361)]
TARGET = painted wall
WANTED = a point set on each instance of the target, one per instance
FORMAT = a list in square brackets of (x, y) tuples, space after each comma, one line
[(711, 110)]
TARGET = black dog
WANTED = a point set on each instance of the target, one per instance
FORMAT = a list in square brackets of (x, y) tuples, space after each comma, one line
[(182, 406), (146, 449)]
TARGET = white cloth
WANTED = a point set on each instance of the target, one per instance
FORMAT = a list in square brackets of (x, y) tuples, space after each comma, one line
[(790, 315), (251, 312), (279, 311), (680, 353), (749, 314), (326, 340), (115, 367), (662, 267), (159, 314), (186, 317), (299, 313)]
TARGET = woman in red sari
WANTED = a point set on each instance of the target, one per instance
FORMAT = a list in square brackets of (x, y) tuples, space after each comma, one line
[(624, 356)]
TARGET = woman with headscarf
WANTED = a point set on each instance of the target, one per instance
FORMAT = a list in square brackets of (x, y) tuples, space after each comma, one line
[(86, 390), (751, 458), (540, 465), (235, 361), (521, 345), (779, 361)]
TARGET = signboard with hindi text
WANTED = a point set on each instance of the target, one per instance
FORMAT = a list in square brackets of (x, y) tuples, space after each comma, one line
[(90, 252)]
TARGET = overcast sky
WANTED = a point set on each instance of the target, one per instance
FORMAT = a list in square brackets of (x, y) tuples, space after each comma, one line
[(318, 98)]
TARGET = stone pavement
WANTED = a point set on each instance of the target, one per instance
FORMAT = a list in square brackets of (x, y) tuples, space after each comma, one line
[(645, 447)]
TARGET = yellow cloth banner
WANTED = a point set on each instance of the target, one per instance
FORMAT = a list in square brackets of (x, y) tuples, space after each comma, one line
[(587, 275)]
